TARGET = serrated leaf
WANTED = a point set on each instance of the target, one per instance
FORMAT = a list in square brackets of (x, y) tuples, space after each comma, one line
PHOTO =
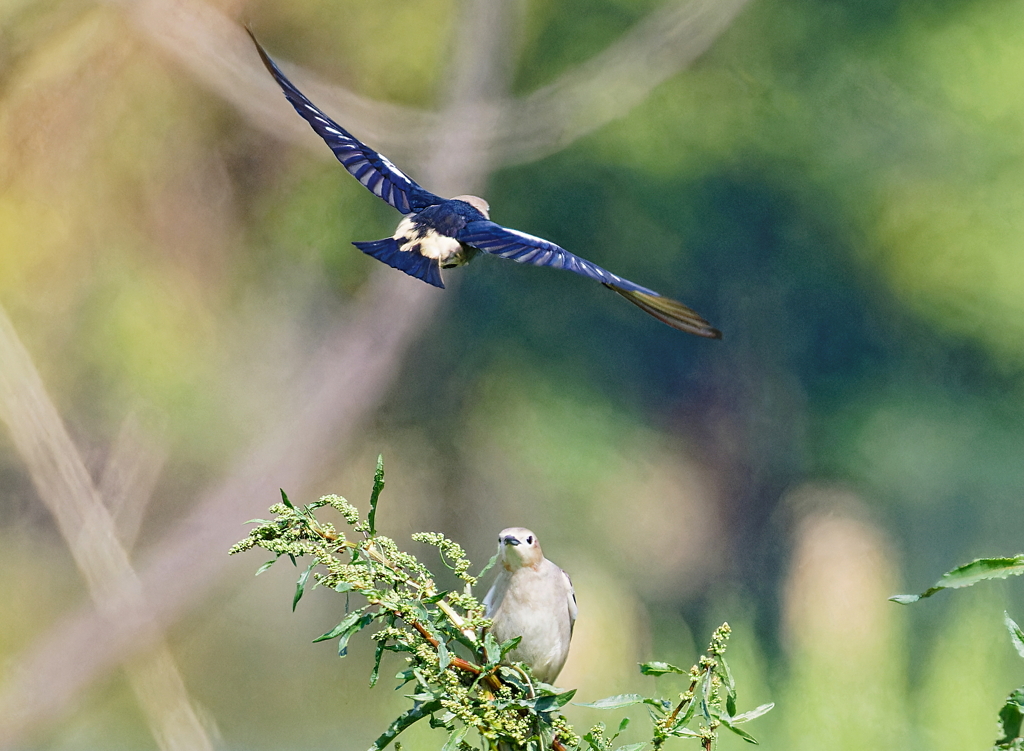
[(300, 585), (976, 571), (444, 659), (378, 486), (509, 645), (557, 701), (455, 738), (284, 499), (1016, 634), (660, 668), (613, 702), (753, 714)]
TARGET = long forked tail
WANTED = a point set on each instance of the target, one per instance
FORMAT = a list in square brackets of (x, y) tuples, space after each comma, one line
[(667, 310), (411, 263)]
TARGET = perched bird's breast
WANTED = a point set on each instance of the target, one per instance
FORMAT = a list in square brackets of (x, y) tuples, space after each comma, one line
[(534, 604)]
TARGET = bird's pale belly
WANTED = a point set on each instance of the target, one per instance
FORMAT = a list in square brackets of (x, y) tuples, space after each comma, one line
[(429, 243)]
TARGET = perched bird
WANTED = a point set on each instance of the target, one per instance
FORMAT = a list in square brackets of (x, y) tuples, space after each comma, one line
[(534, 599), (439, 233)]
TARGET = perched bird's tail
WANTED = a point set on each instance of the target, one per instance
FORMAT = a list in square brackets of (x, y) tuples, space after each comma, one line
[(667, 310), (413, 264)]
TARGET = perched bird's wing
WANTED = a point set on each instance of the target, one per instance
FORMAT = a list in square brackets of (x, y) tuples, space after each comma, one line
[(509, 243), (373, 170), (573, 611), (492, 601)]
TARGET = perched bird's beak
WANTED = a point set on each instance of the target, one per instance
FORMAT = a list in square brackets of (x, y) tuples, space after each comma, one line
[(510, 540)]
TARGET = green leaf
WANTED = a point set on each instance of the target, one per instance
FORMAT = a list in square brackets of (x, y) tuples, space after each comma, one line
[(444, 659), (556, 701), (509, 645), (403, 722), (660, 668), (300, 585), (362, 623), (1016, 635), (978, 570), (705, 694), (741, 733), (378, 485), (730, 685), (267, 565), (632, 747), (285, 501), (346, 623), (489, 566), (1010, 718), (455, 738), (753, 714), (492, 650), (613, 702), (377, 654), (622, 725)]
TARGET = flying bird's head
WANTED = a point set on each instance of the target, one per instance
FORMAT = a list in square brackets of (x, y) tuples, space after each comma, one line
[(519, 548), (477, 203)]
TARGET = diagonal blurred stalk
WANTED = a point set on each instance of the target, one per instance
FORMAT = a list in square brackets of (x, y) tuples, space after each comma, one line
[(65, 487), (606, 87), (129, 477), (341, 388)]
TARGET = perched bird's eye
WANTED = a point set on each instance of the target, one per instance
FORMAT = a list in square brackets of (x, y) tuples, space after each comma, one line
[(529, 540)]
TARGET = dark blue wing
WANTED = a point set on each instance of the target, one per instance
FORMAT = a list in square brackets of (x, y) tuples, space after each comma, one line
[(373, 170), (518, 246)]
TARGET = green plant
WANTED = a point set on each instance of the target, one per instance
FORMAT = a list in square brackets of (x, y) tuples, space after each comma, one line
[(1011, 715), (455, 667)]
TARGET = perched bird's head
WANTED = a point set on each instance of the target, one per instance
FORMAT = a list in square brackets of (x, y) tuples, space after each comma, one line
[(519, 548), (477, 203)]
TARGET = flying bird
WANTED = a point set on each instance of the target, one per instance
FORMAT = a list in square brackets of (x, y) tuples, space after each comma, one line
[(438, 233), (532, 598)]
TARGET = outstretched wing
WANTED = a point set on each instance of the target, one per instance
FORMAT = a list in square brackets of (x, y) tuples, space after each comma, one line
[(509, 243), (518, 246), (373, 170)]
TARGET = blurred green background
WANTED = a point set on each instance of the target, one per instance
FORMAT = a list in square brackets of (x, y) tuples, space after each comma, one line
[(837, 185)]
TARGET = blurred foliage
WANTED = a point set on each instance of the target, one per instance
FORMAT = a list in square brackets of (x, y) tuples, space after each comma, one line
[(836, 184)]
